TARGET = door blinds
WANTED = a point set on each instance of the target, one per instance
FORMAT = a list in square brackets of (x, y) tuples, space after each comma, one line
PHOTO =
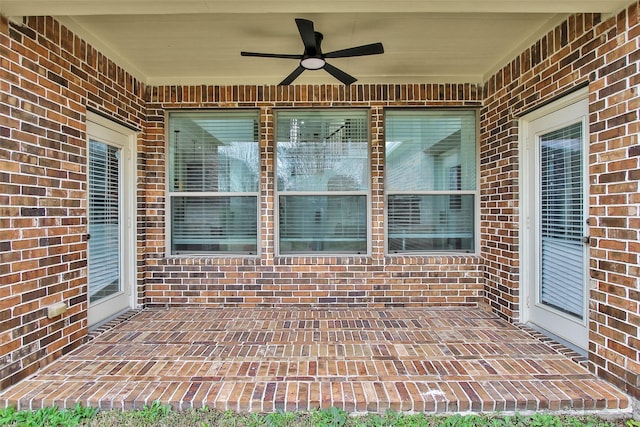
[(104, 220), (562, 219)]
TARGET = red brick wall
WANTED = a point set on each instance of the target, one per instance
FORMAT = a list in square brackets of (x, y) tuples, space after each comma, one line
[(375, 280), (606, 56), (49, 78)]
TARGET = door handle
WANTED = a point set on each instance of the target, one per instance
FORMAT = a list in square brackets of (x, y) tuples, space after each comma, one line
[(586, 240)]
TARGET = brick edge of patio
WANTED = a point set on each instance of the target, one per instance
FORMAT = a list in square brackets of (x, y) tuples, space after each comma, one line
[(353, 397)]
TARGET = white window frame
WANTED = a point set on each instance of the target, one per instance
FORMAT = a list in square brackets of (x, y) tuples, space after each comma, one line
[(365, 193), (475, 193), (171, 194)]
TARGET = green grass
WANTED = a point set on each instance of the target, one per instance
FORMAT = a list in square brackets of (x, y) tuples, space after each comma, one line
[(47, 417), (162, 415)]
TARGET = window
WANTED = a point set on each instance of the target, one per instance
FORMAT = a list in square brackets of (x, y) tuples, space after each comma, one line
[(323, 181), (430, 180), (213, 174)]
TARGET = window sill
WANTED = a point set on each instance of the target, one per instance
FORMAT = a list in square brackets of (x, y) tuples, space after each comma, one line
[(323, 259), (433, 258), (211, 259)]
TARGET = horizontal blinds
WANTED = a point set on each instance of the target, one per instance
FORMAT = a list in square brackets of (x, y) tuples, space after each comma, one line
[(422, 147), (430, 222), (322, 150), (104, 218), (562, 219), (212, 224), (214, 152), (430, 171), (214, 173), (323, 224), (562, 275), (561, 187)]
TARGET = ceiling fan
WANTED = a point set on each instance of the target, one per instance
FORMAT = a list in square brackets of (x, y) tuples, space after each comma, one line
[(314, 59)]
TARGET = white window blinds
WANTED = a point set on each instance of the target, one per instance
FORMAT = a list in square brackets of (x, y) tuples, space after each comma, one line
[(104, 220), (214, 174), (323, 180), (430, 181), (562, 219)]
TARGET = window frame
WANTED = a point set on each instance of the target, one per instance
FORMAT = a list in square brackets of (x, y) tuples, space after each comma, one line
[(169, 195), (419, 193), (366, 193)]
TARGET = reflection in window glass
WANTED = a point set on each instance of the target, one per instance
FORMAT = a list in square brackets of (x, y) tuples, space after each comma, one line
[(214, 224), (213, 182), (323, 180), (430, 165), (323, 224), (427, 223)]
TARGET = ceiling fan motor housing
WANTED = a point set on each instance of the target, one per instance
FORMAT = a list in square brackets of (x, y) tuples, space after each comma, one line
[(313, 58)]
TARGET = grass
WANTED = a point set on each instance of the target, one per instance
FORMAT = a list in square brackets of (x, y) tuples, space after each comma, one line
[(162, 415), (47, 417)]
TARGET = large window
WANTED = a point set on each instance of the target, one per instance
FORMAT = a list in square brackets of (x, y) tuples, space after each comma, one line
[(213, 182), (430, 180), (322, 181)]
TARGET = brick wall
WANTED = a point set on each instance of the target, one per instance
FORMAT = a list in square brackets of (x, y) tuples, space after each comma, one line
[(605, 55), (614, 166), (49, 78), (375, 280)]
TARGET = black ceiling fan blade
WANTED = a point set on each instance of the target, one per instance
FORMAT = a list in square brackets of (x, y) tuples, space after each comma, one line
[(308, 34), (291, 77), (271, 55), (339, 74), (367, 49)]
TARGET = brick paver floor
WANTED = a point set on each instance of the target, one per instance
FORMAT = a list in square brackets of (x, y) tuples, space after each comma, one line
[(432, 359)]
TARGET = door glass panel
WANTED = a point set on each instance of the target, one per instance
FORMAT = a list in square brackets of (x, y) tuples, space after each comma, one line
[(104, 221), (562, 220)]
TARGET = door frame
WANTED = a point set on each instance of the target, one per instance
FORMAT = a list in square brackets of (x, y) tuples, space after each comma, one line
[(97, 127), (529, 211)]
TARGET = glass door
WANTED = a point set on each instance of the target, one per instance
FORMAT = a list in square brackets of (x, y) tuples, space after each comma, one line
[(555, 236), (110, 244)]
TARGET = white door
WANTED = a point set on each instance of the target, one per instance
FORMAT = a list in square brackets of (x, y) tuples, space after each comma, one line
[(555, 211), (110, 218)]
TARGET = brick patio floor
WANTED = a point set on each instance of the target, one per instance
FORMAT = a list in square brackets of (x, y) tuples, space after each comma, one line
[(433, 359)]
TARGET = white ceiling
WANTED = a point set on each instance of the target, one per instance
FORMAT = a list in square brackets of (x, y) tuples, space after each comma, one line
[(199, 41)]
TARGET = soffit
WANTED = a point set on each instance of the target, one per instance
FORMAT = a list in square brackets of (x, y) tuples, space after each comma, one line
[(199, 41)]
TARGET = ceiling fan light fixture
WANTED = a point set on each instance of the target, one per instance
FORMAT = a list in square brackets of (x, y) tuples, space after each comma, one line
[(312, 63), (313, 59)]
